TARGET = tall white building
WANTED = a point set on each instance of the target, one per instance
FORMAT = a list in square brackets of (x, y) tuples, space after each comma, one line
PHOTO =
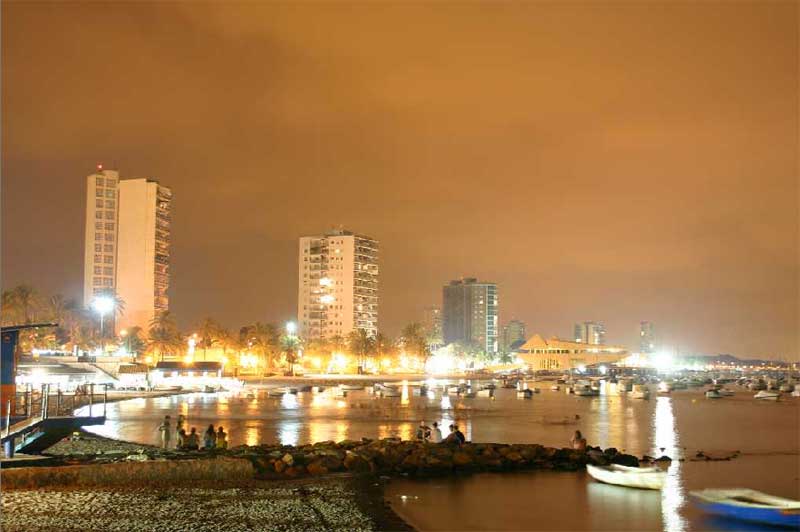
[(337, 285), (127, 245)]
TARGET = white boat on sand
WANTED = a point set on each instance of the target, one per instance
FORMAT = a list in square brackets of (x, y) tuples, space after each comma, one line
[(649, 478)]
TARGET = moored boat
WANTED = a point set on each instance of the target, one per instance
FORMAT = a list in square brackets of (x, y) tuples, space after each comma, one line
[(351, 387), (764, 395), (555, 387), (749, 505), (650, 478), (713, 394), (640, 391), (726, 392)]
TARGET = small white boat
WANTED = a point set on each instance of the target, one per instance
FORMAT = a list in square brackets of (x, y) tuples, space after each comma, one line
[(713, 394), (726, 392), (640, 391), (486, 393), (390, 392), (555, 387), (649, 478), (351, 387), (585, 391), (276, 392), (749, 505), (767, 396)]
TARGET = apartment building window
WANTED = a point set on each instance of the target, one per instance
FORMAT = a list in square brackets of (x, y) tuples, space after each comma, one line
[(106, 281), (97, 281), (109, 204), (108, 259), (98, 193), (108, 248), (98, 236), (98, 270), (109, 215), (98, 226), (110, 236), (98, 214), (109, 226), (108, 270), (110, 193), (98, 203), (98, 248), (98, 259)]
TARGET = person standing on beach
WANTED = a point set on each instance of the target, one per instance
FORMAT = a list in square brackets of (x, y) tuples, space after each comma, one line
[(166, 432)]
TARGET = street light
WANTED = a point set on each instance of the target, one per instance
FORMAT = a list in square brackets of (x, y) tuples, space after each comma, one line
[(291, 328), (103, 305)]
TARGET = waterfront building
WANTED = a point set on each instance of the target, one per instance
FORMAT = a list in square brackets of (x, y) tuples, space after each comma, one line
[(590, 332), (337, 284), (513, 335), (558, 354), (647, 337), (469, 314), (127, 245), (432, 323)]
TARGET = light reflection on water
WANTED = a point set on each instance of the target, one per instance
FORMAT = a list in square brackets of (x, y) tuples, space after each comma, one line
[(666, 438)]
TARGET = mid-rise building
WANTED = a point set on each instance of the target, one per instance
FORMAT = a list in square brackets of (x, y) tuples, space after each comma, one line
[(337, 285), (432, 322), (590, 332), (647, 337), (127, 245), (513, 336), (469, 314)]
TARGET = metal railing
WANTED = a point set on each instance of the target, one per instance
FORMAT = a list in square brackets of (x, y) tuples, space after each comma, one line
[(50, 401)]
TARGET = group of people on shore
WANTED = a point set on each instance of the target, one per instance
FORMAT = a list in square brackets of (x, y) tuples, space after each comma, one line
[(434, 434), (212, 438)]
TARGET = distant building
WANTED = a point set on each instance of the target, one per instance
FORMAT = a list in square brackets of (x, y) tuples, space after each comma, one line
[(513, 336), (432, 322), (337, 285), (469, 314), (127, 245), (647, 337), (558, 354), (590, 332)]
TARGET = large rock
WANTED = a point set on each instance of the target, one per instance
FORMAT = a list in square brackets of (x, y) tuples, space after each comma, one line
[(462, 459), (625, 460), (356, 463)]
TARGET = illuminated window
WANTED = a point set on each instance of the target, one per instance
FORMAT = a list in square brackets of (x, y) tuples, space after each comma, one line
[(97, 281), (110, 193), (108, 259), (99, 181), (98, 270), (108, 271), (98, 192)]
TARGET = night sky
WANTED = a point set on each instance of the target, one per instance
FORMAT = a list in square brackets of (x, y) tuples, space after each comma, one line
[(619, 163)]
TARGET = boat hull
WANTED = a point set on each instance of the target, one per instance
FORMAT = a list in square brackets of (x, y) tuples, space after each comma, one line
[(649, 478), (782, 512)]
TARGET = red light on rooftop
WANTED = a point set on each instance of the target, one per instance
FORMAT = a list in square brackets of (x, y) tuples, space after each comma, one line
[(99, 166)]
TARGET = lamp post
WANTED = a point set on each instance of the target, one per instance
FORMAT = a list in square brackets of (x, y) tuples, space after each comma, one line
[(103, 305)]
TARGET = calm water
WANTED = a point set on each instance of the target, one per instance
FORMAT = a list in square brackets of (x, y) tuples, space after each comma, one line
[(766, 433)]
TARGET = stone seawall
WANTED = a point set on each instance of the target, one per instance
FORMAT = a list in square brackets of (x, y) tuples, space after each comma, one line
[(388, 457)]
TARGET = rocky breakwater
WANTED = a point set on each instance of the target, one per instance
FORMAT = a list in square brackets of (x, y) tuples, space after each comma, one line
[(391, 457)]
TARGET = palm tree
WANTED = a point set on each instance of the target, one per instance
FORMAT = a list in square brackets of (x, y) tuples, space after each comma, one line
[(414, 340), (290, 344), (164, 337), (134, 342), (264, 338), (362, 345), (209, 334)]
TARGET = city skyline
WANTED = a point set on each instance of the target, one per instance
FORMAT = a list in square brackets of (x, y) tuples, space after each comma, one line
[(701, 178)]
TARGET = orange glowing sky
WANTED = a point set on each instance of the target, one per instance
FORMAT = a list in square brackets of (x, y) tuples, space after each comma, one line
[(614, 162)]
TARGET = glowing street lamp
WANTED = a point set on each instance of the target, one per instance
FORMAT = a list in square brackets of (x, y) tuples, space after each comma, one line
[(291, 328), (103, 305)]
